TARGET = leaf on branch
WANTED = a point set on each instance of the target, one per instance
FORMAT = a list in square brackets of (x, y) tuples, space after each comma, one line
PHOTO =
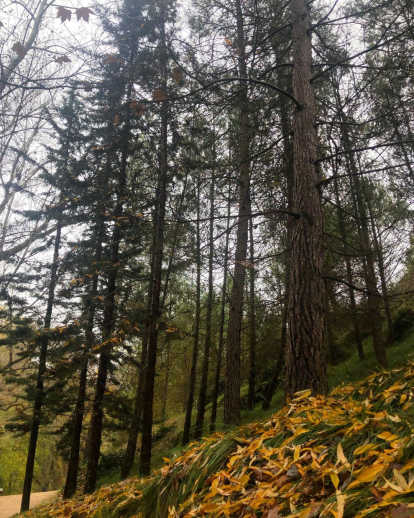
[(63, 59), (18, 47), (88, 87), (116, 119), (110, 58), (229, 42), (63, 13), (138, 108), (83, 13), (105, 111), (177, 74), (159, 94), (246, 264)]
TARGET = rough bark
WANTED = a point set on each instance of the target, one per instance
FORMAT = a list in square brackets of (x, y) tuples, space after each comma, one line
[(305, 359), (232, 404)]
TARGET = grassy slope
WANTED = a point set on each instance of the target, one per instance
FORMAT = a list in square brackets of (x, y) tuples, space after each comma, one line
[(351, 454)]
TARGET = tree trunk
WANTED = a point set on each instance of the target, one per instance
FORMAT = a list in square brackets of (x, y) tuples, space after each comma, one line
[(305, 359), (222, 319), (39, 394), (232, 404), (349, 275), (109, 310), (202, 397), (147, 411), (374, 298), (252, 329), (381, 268), (193, 372), (288, 162), (73, 466)]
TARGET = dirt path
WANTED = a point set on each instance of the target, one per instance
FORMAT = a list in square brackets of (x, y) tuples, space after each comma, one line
[(10, 505)]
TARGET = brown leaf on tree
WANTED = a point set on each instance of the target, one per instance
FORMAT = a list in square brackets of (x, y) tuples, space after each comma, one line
[(177, 74), (88, 87), (105, 111), (63, 59), (63, 13), (110, 58), (138, 108), (116, 119), (18, 47), (159, 94), (83, 13)]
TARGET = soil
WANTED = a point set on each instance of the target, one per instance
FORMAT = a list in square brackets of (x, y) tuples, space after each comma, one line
[(10, 505)]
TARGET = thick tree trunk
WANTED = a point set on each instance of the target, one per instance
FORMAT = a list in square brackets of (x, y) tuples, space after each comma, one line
[(193, 371), (232, 404), (202, 397), (222, 319), (252, 328), (147, 411), (305, 359), (39, 394)]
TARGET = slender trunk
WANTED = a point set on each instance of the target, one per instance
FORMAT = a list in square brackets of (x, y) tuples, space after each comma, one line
[(288, 162), (222, 318), (39, 394), (193, 371), (252, 329), (305, 359), (381, 268), (202, 397), (166, 381), (330, 346), (374, 298), (109, 310), (147, 411), (232, 404), (349, 275), (73, 466), (129, 456)]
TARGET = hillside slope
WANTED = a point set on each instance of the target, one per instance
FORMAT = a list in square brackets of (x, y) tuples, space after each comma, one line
[(347, 455)]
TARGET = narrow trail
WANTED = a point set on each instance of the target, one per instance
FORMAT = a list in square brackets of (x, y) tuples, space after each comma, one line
[(10, 505)]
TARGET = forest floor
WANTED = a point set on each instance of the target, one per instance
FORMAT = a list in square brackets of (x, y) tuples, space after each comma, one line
[(350, 454), (10, 505)]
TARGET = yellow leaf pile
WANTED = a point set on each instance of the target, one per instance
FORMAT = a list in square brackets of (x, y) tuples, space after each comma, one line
[(350, 454)]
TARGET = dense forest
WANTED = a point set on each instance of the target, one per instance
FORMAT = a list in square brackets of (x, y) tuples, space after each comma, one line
[(205, 209)]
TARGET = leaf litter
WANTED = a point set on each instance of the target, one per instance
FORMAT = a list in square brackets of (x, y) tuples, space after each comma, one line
[(350, 454)]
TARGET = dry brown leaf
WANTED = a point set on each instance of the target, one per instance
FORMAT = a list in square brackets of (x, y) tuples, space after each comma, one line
[(18, 47), (64, 14), (83, 13), (177, 74), (159, 94)]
